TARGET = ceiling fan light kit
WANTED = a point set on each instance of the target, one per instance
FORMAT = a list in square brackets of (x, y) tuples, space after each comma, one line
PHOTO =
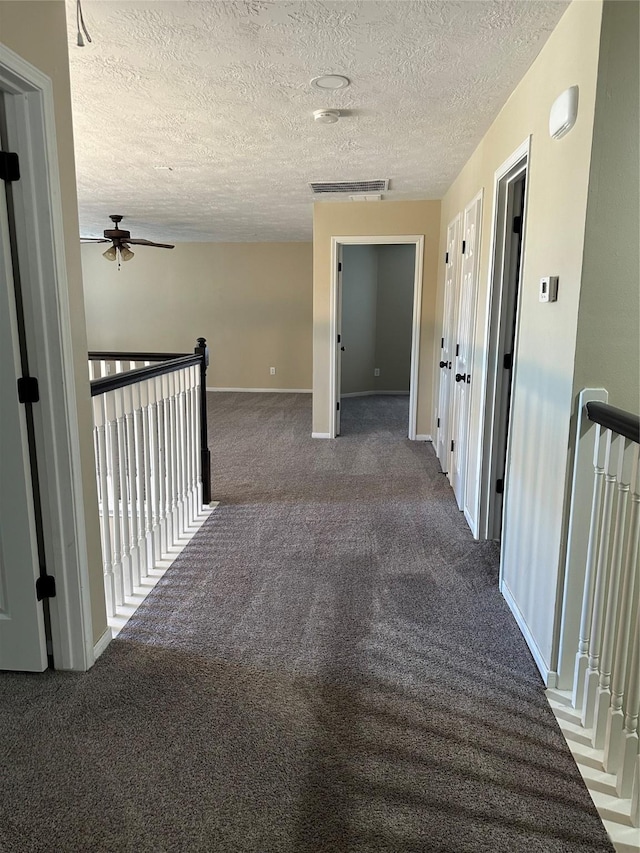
[(121, 241)]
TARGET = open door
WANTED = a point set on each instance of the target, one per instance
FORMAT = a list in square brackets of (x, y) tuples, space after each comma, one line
[(22, 627), (338, 343), (466, 315), (443, 430)]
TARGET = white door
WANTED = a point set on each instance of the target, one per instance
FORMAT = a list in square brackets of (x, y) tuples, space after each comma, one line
[(22, 632), (443, 427), (466, 314), (338, 342)]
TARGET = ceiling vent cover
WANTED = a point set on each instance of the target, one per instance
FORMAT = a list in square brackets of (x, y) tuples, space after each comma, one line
[(349, 187)]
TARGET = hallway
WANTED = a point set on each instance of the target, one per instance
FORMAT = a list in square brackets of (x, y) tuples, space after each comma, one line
[(327, 668)]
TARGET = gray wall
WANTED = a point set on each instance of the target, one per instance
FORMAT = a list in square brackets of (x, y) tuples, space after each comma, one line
[(377, 309), (359, 304), (608, 342), (396, 278)]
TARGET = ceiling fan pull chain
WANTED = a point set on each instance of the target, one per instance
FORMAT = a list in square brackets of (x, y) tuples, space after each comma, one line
[(81, 24)]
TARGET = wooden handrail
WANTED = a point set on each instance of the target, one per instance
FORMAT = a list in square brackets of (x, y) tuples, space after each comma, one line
[(617, 420)]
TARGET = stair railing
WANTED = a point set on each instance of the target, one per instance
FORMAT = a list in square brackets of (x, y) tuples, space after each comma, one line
[(152, 459), (601, 627)]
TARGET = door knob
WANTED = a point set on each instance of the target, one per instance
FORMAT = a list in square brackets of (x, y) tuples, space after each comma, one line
[(461, 377), (443, 364), (342, 348)]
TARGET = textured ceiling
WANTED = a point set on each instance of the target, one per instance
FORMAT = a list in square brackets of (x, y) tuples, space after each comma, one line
[(219, 92)]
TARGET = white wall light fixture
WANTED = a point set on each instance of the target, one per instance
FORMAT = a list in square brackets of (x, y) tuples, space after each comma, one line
[(564, 112)]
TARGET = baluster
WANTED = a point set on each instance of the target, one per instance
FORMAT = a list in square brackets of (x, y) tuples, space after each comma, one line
[(161, 463), (184, 450), (124, 493), (169, 460), (199, 404), (620, 459), (112, 438), (140, 461), (582, 657), (130, 394), (175, 492), (628, 595), (193, 444), (629, 749), (602, 583), (175, 378), (105, 524), (149, 427), (104, 368)]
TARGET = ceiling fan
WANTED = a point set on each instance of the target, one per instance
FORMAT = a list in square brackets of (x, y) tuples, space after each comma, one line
[(120, 241)]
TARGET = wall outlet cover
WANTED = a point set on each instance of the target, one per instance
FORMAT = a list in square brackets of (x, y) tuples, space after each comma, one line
[(272, 371), (376, 371)]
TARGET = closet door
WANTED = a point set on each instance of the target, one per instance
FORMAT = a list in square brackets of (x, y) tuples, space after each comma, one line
[(463, 355), (443, 428)]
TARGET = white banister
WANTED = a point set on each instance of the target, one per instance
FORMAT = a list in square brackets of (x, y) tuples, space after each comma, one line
[(147, 452), (597, 700)]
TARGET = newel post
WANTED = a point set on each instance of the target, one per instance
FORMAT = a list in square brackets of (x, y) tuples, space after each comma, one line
[(205, 458)]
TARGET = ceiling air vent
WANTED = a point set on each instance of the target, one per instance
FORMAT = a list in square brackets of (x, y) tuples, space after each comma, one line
[(349, 187)]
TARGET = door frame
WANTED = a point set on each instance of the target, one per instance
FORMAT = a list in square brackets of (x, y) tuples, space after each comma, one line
[(443, 409), (334, 362), (40, 233), (493, 404)]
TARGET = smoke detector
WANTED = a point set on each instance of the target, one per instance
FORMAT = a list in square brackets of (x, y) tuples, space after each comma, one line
[(326, 116)]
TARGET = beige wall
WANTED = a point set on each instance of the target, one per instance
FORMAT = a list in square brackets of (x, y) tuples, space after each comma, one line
[(543, 379), (396, 279), (608, 345), (359, 315), (251, 301), (385, 218), (37, 31)]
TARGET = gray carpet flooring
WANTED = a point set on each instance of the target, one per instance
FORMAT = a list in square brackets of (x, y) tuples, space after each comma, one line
[(328, 667)]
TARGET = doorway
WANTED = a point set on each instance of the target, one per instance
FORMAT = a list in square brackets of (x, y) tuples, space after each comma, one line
[(508, 243), (370, 321)]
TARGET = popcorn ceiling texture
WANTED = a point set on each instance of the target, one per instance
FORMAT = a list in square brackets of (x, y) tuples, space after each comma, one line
[(219, 91)]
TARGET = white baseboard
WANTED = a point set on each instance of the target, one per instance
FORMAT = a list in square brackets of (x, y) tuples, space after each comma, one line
[(374, 393), (266, 390), (422, 437), (548, 676), (102, 644), (320, 435)]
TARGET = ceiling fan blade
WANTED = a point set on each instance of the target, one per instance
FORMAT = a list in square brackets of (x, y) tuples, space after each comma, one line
[(149, 243), (94, 240)]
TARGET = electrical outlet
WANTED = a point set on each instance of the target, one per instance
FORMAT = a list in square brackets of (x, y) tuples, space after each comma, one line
[(272, 371), (376, 371)]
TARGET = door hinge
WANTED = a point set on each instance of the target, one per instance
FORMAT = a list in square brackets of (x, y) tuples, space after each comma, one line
[(28, 391), (517, 225), (339, 338), (45, 587), (446, 258), (464, 246), (9, 166), (441, 343), (500, 486), (507, 362), (338, 406), (339, 266), (453, 444), (457, 349), (438, 424)]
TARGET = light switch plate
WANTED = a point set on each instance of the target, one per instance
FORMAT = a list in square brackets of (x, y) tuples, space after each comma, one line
[(549, 288)]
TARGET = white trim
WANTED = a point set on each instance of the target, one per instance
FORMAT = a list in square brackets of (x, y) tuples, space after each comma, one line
[(265, 390), (374, 240), (322, 435), (102, 644), (38, 207), (422, 437), (485, 423), (547, 675), (375, 393)]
